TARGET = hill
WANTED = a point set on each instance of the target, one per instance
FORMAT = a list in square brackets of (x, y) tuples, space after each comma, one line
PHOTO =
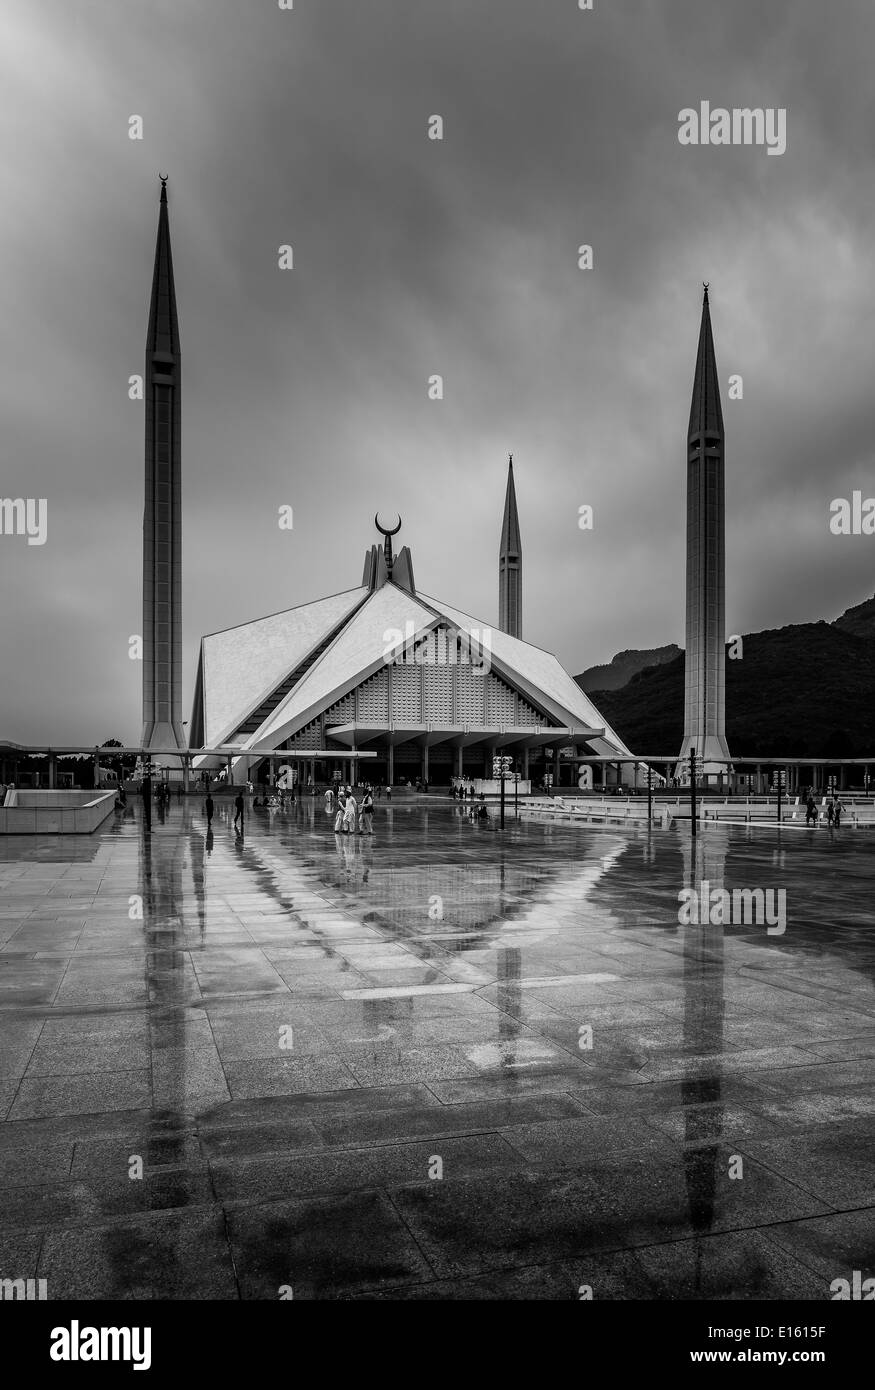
[(621, 668), (803, 690)]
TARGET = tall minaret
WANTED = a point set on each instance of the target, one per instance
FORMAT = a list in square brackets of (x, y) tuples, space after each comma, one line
[(510, 565), (162, 515), (704, 720)]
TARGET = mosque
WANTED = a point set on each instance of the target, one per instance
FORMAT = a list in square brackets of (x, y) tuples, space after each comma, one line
[(385, 669)]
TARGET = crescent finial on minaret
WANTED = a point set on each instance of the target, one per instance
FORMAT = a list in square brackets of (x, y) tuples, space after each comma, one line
[(387, 544), (382, 529)]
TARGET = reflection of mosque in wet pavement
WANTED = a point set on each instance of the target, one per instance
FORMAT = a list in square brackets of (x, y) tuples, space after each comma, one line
[(437, 983)]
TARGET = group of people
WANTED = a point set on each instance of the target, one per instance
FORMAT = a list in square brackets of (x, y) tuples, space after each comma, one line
[(835, 809), (462, 787), (350, 818)]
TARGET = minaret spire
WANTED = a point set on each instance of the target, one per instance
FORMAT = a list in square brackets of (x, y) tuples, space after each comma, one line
[(704, 695), (706, 416), (510, 564), (162, 514)]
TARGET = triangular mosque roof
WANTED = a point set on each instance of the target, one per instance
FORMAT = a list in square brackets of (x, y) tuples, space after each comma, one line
[(242, 665), (261, 683), (358, 651)]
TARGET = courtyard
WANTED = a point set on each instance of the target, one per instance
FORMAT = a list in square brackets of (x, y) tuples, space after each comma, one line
[(442, 1063)]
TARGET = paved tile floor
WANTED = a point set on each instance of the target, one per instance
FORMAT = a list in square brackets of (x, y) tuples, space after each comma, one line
[(231, 1066)]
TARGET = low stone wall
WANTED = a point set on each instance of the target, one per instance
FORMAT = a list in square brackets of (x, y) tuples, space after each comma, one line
[(26, 812)]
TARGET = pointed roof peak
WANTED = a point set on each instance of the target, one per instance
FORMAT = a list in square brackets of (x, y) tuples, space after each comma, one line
[(706, 414), (163, 332), (510, 526)]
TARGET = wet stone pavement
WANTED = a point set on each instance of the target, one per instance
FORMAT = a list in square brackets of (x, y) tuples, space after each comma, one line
[(441, 1063)]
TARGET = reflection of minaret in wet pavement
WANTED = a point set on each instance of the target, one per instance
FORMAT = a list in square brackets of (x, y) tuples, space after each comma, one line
[(161, 865), (701, 1091), (162, 1145), (509, 967), (199, 847), (509, 973)]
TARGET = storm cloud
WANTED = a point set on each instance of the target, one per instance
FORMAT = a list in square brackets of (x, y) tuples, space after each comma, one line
[(412, 257)]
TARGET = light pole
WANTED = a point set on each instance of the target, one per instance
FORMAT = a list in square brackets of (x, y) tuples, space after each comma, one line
[(500, 768)]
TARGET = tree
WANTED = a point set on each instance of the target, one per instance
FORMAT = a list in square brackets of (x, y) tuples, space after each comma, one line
[(122, 764)]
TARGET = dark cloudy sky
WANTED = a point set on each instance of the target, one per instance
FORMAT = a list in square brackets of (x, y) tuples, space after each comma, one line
[(414, 257)]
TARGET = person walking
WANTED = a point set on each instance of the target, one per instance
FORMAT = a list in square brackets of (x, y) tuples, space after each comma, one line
[(810, 810), (830, 811), (366, 820), (838, 811), (209, 807), (238, 810), (349, 814)]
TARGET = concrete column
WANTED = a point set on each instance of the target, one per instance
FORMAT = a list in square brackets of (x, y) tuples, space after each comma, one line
[(424, 773), (390, 774), (186, 773), (53, 769), (759, 779), (526, 764), (96, 766), (460, 754)]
